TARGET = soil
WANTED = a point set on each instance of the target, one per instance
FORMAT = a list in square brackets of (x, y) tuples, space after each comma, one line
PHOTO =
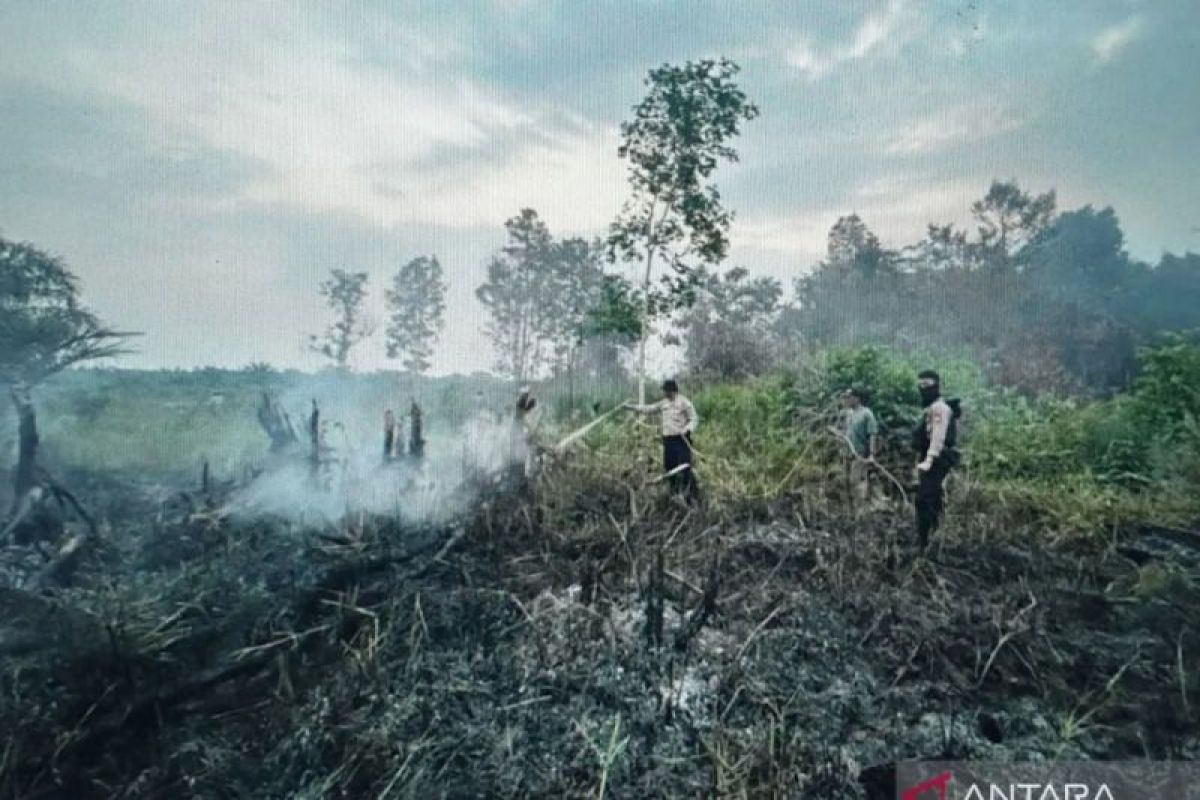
[(580, 648)]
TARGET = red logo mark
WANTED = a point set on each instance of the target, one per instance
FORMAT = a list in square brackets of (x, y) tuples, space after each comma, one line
[(938, 783)]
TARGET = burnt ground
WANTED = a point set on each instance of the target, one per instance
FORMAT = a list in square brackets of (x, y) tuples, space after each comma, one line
[(582, 646)]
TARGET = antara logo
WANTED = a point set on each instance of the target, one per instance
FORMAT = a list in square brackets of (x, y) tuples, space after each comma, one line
[(938, 786), (1040, 791)]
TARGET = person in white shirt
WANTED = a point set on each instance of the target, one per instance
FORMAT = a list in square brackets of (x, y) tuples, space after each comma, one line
[(935, 441), (679, 421)]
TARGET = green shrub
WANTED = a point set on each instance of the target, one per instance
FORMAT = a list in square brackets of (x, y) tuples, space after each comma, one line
[(1166, 395)]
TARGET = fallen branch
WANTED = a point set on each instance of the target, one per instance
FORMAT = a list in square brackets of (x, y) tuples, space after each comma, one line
[(757, 630), (1006, 638)]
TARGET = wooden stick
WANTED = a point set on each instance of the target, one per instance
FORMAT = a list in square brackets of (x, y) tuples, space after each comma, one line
[(578, 434), (877, 465)]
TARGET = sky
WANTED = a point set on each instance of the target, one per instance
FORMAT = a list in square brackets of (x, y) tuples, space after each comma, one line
[(201, 166)]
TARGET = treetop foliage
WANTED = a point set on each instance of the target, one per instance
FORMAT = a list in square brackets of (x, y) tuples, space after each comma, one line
[(416, 312), (680, 132), (344, 293), (1047, 301), (43, 326), (548, 300)]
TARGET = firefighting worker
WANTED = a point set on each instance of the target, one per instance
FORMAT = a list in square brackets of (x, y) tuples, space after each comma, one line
[(679, 421), (862, 434), (935, 439), (526, 419)]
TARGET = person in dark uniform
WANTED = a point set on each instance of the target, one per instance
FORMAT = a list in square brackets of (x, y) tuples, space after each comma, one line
[(935, 439)]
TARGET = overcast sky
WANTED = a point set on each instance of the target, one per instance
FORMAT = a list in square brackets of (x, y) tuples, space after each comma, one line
[(201, 165)]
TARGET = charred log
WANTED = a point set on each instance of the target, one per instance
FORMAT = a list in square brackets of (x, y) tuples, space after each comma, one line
[(276, 423), (416, 441), (25, 476)]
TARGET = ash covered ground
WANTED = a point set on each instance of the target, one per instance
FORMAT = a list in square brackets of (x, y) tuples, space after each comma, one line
[(580, 637)]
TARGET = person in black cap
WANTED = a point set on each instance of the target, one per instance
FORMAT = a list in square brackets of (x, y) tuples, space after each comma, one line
[(679, 421)]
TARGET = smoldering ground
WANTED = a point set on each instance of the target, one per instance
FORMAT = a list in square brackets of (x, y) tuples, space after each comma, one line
[(354, 474)]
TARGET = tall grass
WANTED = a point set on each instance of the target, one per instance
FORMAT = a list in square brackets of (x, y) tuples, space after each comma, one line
[(1069, 465), (1066, 466)]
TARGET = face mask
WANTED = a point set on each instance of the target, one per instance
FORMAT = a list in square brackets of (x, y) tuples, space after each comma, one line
[(929, 394)]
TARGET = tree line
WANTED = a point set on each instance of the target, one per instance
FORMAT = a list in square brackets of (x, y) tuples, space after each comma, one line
[(1047, 301), (416, 314), (569, 306)]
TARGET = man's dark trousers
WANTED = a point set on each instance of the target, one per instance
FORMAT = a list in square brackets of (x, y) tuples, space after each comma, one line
[(677, 451), (931, 498)]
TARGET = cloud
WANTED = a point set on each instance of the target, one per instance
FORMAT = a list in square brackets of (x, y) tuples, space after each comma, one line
[(320, 118), (234, 152), (875, 31), (571, 176), (953, 126), (1113, 40), (897, 207)]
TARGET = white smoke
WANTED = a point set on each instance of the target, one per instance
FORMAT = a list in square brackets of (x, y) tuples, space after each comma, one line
[(434, 489)]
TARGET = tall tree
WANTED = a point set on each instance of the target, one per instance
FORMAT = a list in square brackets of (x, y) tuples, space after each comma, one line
[(728, 330), (44, 329), (1081, 255), (852, 295), (681, 131), (578, 284), (1167, 298), (417, 309), (1009, 218), (852, 247), (344, 293), (518, 295)]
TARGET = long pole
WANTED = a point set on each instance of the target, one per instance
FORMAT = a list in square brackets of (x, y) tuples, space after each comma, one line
[(579, 433)]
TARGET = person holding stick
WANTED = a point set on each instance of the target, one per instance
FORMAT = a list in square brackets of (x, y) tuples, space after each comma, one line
[(862, 433), (679, 421), (525, 445)]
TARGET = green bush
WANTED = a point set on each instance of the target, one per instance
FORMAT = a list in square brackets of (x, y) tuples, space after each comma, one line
[(1132, 441), (1166, 395), (890, 381)]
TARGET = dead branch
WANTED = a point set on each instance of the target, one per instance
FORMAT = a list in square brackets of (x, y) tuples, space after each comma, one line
[(1007, 637), (276, 424), (248, 663), (704, 610)]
